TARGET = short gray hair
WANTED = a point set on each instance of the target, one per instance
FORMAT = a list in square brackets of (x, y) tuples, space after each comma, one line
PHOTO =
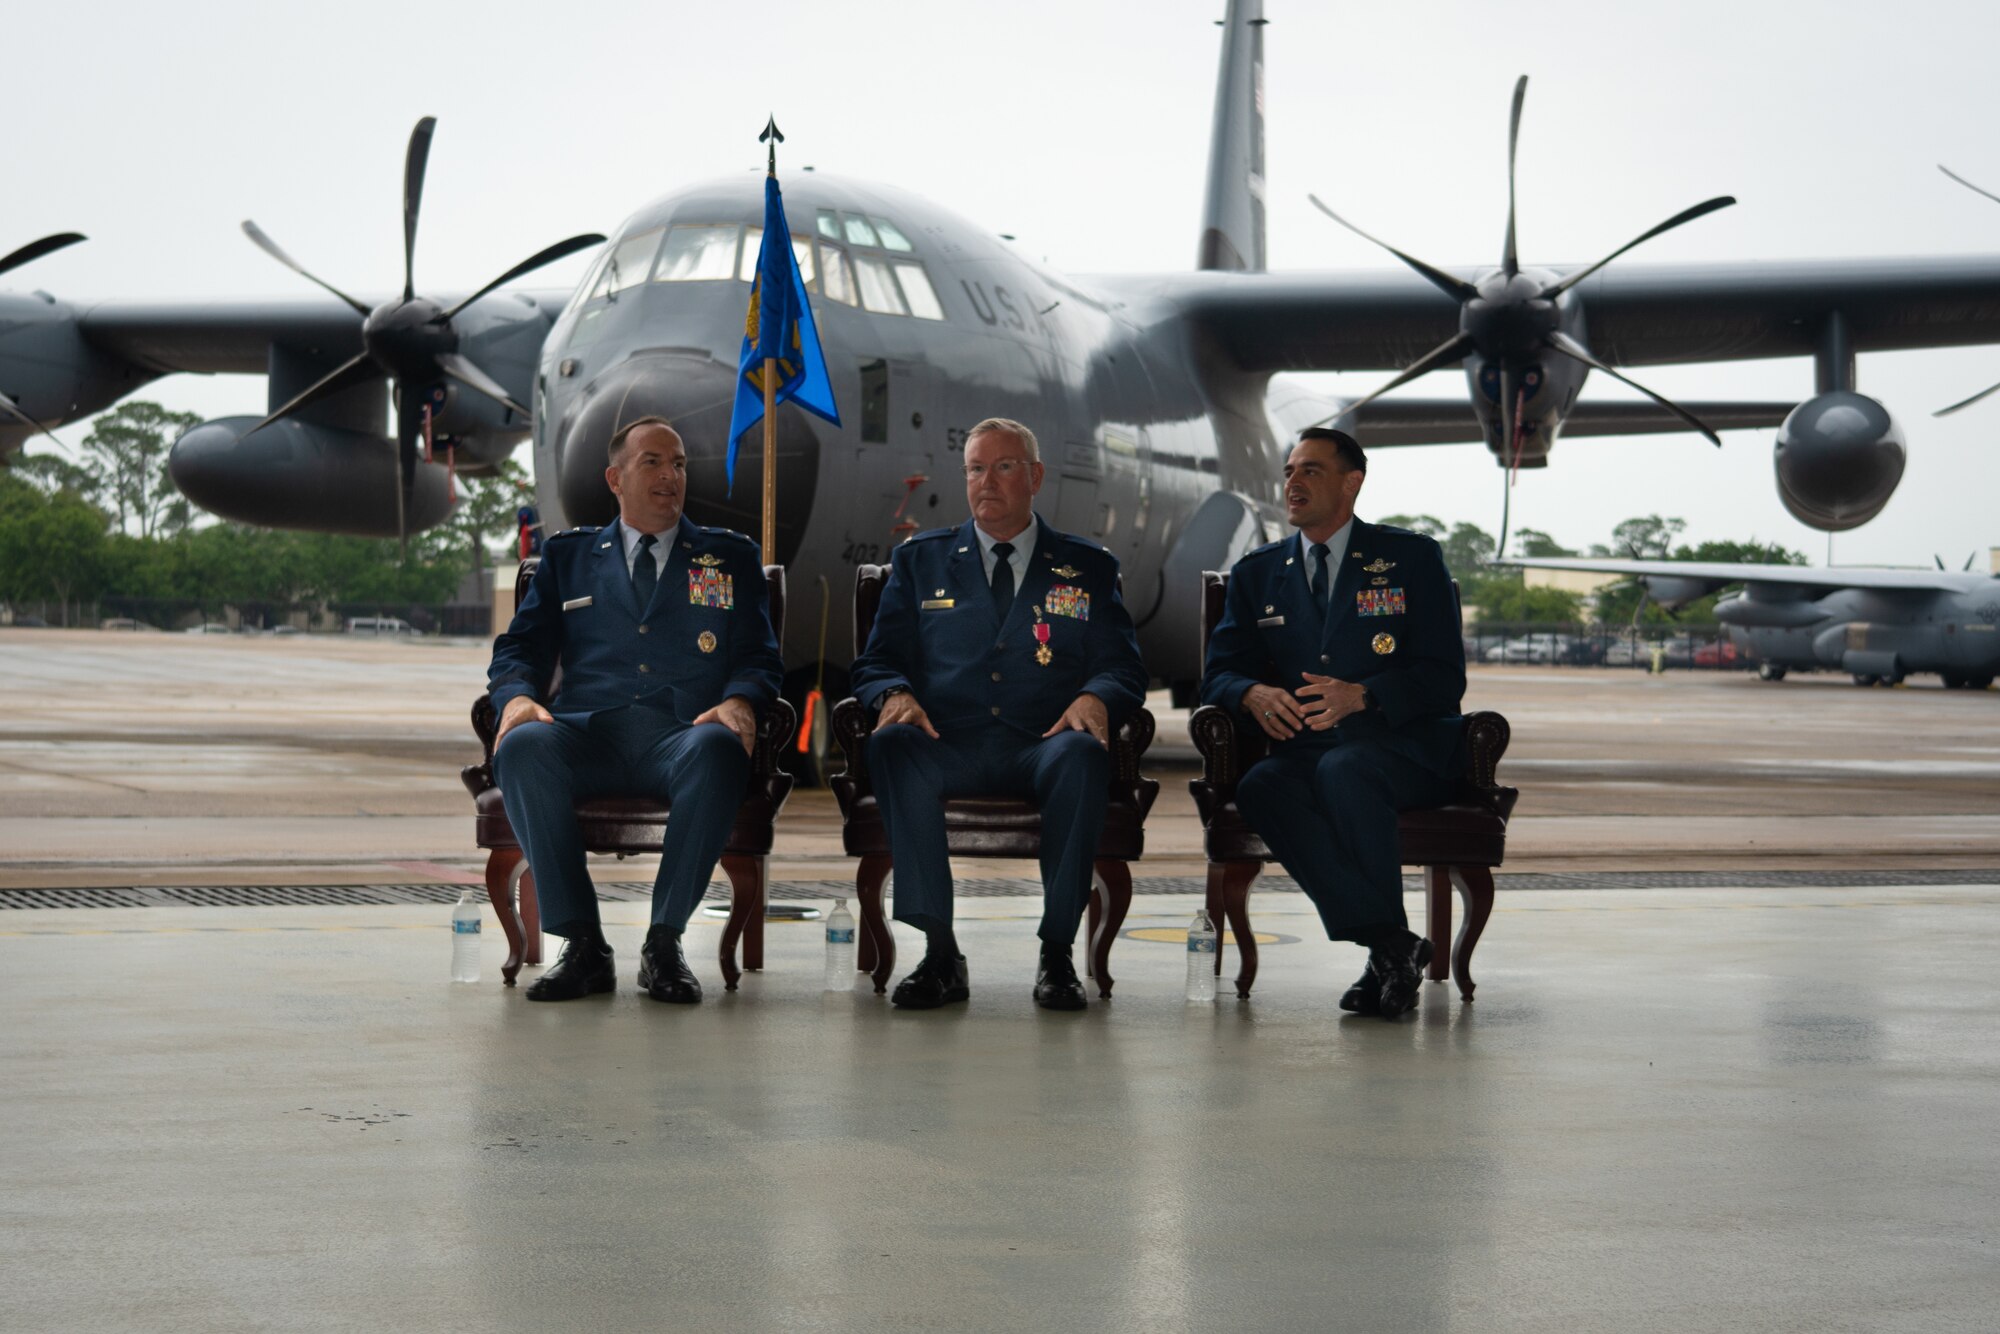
[(1008, 426), (625, 433)]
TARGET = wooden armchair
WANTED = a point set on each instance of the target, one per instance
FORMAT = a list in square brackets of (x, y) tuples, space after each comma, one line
[(984, 826), (1457, 844), (631, 825)]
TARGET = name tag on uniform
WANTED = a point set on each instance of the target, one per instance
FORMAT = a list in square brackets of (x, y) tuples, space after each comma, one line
[(1270, 621), (574, 603), (939, 604)]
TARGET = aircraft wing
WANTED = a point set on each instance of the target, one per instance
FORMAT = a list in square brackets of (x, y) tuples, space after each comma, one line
[(1447, 421), (1717, 574), (235, 337), (1635, 315)]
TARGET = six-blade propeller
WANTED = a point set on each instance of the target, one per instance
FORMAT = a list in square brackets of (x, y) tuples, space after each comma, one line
[(410, 341)]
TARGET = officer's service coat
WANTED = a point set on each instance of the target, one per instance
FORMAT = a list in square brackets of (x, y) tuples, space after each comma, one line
[(1391, 625), (705, 637), (936, 633)]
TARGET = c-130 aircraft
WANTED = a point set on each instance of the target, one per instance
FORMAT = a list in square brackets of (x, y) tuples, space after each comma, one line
[(1161, 399)]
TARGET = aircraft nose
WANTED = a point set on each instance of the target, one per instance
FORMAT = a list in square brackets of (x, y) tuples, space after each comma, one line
[(695, 394)]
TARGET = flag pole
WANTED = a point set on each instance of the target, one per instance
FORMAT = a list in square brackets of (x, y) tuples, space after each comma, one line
[(772, 137)]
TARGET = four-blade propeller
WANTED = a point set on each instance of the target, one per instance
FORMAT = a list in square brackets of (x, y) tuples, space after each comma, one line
[(28, 254), (409, 341), (1513, 322)]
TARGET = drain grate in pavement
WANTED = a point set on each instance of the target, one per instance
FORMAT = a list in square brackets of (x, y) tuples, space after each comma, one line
[(268, 896)]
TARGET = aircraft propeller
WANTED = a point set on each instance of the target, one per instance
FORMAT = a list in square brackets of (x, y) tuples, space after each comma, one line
[(1967, 402), (409, 341), (1511, 320), (28, 254)]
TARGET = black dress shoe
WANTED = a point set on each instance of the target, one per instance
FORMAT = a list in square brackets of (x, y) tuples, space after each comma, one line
[(585, 968), (663, 970), (1400, 969), (933, 983), (1365, 996), (1056, 984)]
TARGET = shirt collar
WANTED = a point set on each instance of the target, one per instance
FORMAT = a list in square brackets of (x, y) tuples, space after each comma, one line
[(631, 535), (1336, 546), (1023, 541)]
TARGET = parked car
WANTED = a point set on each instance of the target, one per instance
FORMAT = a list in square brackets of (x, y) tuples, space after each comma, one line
[(1720, 653), (1537, 648), (209, 628), (126, 623), (380, 625), (30, 623)]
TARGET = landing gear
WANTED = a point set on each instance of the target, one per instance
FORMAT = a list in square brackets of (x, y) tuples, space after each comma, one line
[(1892, 681), (1952, 682), (1864, 680), (1770, 671), (1978, 682)]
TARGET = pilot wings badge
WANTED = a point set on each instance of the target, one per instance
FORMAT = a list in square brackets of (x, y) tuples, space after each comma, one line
[(706, 559), (1066, 571), (1379, 566)]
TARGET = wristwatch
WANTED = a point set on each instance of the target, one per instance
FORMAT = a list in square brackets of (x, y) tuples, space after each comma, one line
[(891, 692), (1367, 700)]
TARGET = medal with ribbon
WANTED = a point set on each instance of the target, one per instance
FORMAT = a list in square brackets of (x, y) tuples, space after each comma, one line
[(1042, 652)]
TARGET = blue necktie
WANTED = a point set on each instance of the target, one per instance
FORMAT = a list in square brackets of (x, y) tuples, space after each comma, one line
[(1003, 579), (645, 573), (1319, 580)]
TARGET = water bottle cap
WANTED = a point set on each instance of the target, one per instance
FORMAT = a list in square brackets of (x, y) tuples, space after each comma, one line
[(840, 902)]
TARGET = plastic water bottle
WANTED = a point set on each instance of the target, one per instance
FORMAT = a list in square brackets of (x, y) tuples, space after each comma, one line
[(465, 939), (1201, 949), (840, 948)]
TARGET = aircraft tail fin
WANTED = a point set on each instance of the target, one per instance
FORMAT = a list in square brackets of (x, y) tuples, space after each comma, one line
[(1232, 211)]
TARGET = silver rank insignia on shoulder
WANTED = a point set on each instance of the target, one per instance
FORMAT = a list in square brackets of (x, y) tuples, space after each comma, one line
[(963, 550), (706, 559), (604, 546), (1379, 566), (1066, 571)]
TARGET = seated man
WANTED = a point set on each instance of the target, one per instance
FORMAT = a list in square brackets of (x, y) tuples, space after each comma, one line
[(1343, 645), (658, 697), (1001, 660)]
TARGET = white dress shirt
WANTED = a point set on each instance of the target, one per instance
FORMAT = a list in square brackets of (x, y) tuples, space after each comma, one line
[(1336, 552), (661, 541), (1024, 547)]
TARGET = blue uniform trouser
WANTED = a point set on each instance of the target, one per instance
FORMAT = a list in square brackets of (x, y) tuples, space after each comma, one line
[(1329, 814), (545, 768), (1066, 775)]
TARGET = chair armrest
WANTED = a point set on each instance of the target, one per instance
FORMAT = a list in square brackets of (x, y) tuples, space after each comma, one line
[(1486, 738), (485, 722), (776, 726), (852, 725), (1129, 745)]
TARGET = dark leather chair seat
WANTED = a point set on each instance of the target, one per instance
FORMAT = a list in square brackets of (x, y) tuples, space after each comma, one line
[(629, 826), (1456, 844), (997, 827)]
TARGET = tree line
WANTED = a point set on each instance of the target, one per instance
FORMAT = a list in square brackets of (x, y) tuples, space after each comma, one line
[(1503, 596), (111, 527)]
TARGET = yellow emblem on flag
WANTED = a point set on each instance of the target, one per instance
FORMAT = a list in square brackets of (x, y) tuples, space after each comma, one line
[(1384, 644)]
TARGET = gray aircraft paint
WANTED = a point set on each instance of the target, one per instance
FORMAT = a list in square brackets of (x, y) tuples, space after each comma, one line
[(1872, 623), (1161, 399)]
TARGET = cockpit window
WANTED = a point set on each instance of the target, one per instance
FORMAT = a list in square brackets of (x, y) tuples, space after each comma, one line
[(630, 261), (829, 224), (892, 239), (753, 241), (878, 287), (858, 230), (917, 290), (838, 277), (698, 252)]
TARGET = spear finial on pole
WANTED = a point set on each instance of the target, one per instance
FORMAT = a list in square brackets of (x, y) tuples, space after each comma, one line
[(772, 136)]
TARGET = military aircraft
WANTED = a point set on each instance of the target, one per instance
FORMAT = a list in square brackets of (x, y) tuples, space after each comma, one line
[(1878, 625), (1161, 399)]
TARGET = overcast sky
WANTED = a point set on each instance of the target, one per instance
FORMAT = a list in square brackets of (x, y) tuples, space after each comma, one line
[(1081, 127)]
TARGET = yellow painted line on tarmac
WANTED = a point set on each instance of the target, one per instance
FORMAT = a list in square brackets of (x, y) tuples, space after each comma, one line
[(1177, 935)]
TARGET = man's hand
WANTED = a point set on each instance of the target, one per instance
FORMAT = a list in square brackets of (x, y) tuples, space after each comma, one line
[(735, 714), (902, 707), (1336, 700), (1086, 713), (520, 709), (1275, 711)]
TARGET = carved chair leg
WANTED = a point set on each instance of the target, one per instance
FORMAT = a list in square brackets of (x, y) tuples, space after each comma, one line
[(1114, 887), (880, 945), (746, 912), (1475, 887), (501, 867), (1437, 919), (531, 915), (1093, 917), (1236, 905)]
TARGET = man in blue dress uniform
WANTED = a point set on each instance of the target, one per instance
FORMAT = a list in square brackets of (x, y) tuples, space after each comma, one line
[(1343, 645), (658, 697), (1001, 659)]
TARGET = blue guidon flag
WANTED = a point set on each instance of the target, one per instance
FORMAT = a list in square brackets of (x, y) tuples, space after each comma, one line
[(779, 327)]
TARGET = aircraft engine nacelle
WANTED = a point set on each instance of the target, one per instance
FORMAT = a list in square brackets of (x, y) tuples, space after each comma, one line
[(1839, 457), (296, 474), (1672, 591)]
